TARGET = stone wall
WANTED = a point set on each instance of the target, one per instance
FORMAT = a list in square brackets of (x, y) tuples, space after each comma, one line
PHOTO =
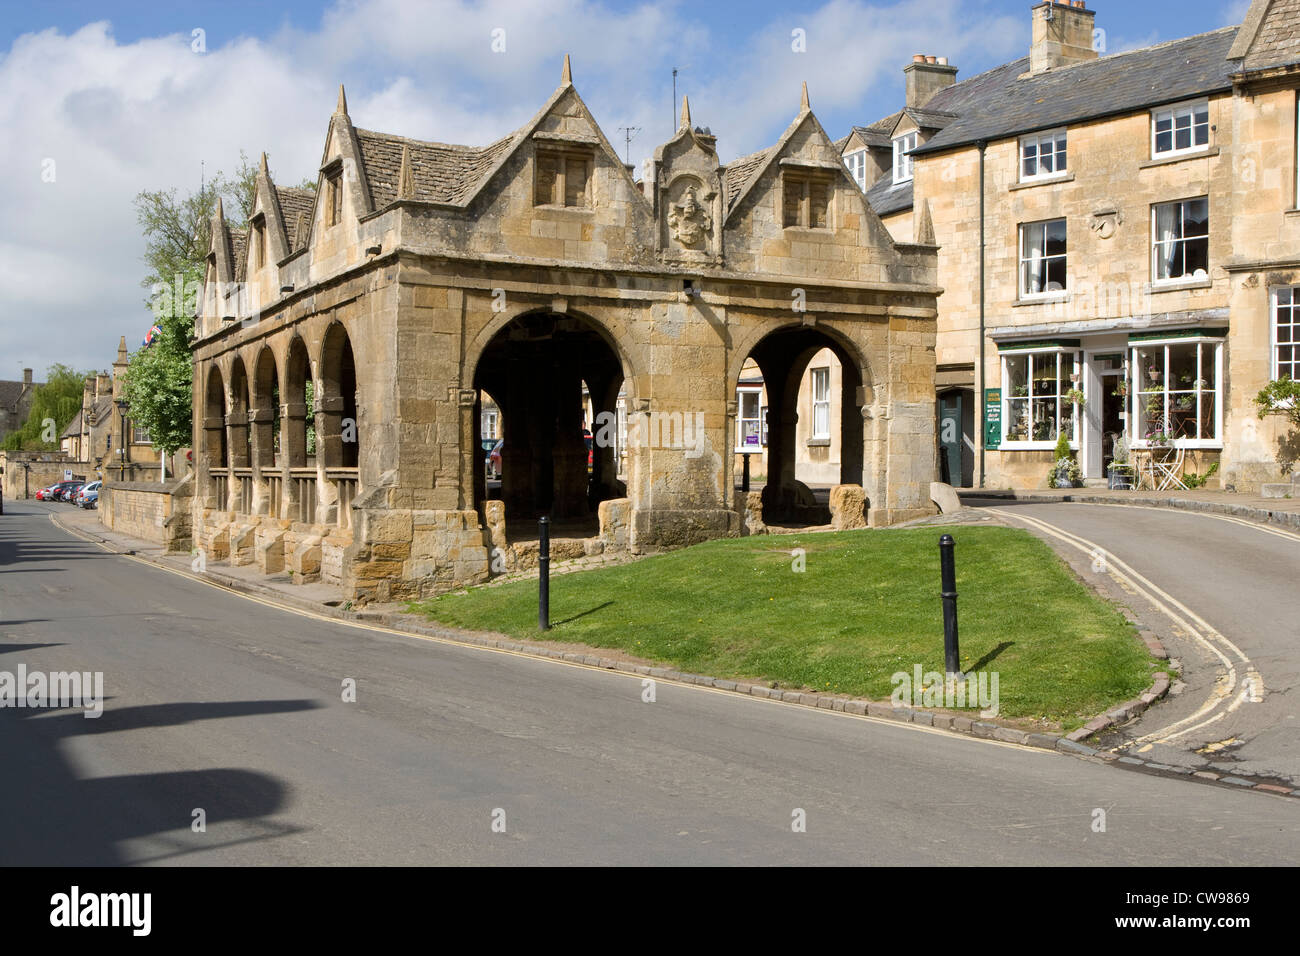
[(154, 512), (27, 472)]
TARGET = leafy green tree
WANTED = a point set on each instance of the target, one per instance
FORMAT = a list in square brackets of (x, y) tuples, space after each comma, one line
[(54, 405), (178, 232)]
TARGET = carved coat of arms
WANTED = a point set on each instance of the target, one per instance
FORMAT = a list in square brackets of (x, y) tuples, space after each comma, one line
[(689, 219)]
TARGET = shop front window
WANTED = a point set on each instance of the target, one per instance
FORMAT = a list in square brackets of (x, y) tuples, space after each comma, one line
[(1034, 387), (1177, 395)]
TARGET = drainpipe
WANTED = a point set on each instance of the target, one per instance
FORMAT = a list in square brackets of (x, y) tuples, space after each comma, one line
[(980, 395)]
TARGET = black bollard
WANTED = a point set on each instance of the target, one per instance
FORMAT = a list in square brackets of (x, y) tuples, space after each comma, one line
[(744, 475), (544, 573), (948, 576)]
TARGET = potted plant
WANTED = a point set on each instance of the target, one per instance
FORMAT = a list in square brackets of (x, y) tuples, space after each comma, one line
[(1119, 472), (1066, 472), (1075, 397)]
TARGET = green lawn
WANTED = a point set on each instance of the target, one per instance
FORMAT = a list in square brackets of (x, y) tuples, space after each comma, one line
[(866, 606)]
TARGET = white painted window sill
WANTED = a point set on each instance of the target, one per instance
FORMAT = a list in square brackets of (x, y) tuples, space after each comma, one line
[(1177, 285), (1165, 159), (1042, 181)]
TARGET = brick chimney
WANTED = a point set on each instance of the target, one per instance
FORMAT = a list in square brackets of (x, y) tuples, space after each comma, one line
[(1062, 35), (926, 76)]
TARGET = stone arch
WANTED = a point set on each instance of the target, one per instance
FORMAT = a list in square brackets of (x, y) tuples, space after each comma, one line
[(215, 449), (293, 402), (617, 336), (264, 413), (783, 349), (237, 419), (338, 428), (534, 364)]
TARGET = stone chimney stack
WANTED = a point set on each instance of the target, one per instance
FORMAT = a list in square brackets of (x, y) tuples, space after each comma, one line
[(926, 76), (1062, 35), (27, 376), (103, 385)]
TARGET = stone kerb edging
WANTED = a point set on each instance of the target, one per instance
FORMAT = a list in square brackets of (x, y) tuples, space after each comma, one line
[(970, 726), (1284, 518)]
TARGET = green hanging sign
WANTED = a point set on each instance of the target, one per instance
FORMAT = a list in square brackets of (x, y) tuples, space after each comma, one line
[(992, 418)]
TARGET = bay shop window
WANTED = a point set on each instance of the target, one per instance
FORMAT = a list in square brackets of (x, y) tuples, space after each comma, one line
[(1176, 392), (1036, 405)]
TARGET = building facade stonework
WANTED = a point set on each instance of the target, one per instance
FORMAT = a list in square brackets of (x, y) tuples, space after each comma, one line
[(1120, 228), (347, 335)]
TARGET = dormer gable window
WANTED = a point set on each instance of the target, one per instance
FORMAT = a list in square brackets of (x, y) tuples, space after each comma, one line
[(258, 256), (333, 196), (857, 163), (903, 145)]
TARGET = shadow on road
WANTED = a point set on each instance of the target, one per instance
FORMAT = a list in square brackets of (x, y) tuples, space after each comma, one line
[(51, 816)]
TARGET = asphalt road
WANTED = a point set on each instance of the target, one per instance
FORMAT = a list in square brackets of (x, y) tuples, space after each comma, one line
[(1243, 581), (224, 704)]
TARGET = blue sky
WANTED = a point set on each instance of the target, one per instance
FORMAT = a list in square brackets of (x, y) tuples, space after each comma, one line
[(117, 96)]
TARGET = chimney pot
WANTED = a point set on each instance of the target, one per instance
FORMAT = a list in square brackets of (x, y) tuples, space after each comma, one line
[(931, 59), (918, 57), (1062, 35)]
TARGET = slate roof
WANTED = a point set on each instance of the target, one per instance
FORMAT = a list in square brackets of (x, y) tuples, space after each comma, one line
[(1119, 83), (296, 207), (11, 392), (442, 172), (239, 251), (884, 197), (737, 172), (1270, 36), (74, 427)]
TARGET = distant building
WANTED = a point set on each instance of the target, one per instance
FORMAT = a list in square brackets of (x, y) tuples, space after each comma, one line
[(16, 403)]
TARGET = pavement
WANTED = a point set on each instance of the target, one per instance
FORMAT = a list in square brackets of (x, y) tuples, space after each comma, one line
[(227, 705)]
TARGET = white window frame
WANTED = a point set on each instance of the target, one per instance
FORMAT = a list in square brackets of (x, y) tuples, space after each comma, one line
[(1022, 261), (902, 161), (1064, 383), (856, 162), (1156, 242), (741, 391), (1293, 326), (1135, 388), (823, 403), (1059, 153), (1173, 112)]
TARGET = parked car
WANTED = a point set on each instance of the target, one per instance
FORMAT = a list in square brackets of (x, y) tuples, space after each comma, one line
[(92, 488), (44, 494), (55, 491), (89, 499), (69, 492)]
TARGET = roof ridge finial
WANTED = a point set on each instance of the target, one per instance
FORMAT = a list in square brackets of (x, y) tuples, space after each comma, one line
[(264, 168), (406, 175), (566, 73), (343, 102), (221, 210), (803, 98), (686, 113)]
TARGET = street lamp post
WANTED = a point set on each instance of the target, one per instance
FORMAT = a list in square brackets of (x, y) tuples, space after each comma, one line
[(122, 406)]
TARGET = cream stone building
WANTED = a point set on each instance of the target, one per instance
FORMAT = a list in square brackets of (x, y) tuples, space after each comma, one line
[(346, 339), (103, 436), (1119, 228)]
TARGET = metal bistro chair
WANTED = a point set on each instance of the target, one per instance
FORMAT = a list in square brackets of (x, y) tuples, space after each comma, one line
[(1165, 464)]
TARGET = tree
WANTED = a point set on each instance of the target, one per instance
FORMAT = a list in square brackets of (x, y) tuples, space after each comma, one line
[(178, 232), (54, 405)]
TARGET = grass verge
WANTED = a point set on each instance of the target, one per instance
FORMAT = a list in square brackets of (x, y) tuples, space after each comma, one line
[(865, 607)]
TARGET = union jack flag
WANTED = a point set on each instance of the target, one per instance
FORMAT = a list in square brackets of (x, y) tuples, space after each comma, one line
[(152, 336)]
